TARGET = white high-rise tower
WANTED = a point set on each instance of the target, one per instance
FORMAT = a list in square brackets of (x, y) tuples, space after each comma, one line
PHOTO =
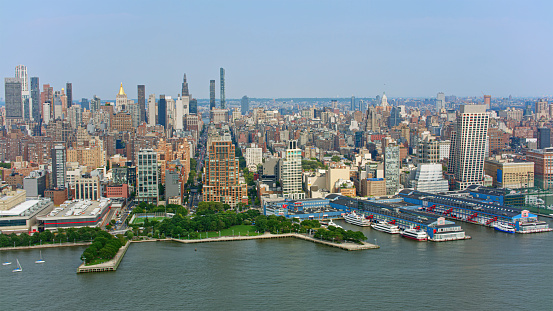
[(291, 172), (468, 146), (384, 101)]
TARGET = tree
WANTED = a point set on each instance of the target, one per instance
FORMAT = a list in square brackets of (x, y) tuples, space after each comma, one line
[(335, 158)]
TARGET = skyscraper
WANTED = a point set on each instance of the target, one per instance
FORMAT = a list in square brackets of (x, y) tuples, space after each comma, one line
[(440, 101), (395, 117), (193, 107), (85, 104), (120, 100), (352, 104), (211, 94), (58, 166), (21, 72), (95, 104), (222, 88), (384, 101), (147, 175), (142, 102), (162, 111), (468, 146), (245, 105), (391, 168), (35, 99), (185, 91), (13, 98), (290, 172), (69, 94), (152, 118)]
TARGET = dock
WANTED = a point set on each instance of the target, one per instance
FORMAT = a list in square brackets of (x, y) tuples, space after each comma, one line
[(110, 265), (349, 246)]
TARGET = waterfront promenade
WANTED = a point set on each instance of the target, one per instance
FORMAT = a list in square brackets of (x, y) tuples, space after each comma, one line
[(17, 248)]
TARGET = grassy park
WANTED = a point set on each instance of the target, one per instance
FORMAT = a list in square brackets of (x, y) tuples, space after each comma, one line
[(140, 220)]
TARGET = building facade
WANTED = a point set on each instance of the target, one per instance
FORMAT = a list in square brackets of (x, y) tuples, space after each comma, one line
[(147, 176), (291, 172)]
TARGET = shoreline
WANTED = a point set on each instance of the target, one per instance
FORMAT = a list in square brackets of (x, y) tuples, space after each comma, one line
[(112, 264), (45, 246)]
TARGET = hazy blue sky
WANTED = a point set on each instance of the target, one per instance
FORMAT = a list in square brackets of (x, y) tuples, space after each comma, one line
[(283, 48)]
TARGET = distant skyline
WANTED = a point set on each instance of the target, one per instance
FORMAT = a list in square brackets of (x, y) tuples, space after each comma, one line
[(283, 49)]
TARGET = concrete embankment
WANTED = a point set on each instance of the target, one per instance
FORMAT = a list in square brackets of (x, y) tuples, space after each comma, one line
[(110, 265), (44, 246), (346, 246)]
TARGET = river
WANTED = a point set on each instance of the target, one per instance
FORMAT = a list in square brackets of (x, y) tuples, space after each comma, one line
[(494, 270)]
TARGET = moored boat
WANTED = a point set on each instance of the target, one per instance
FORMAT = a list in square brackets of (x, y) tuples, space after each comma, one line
[(358, 220), (414, 234), (332, 223), (385, 227), (500, 226)]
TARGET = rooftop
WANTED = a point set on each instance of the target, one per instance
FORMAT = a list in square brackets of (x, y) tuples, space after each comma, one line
[(78, 208)]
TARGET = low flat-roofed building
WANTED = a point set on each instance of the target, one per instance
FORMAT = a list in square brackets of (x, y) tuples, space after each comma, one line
[(22, 217), (76, 213), (10, 198)]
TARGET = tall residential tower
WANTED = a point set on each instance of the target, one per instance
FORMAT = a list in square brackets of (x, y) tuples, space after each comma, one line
[(222, 76)]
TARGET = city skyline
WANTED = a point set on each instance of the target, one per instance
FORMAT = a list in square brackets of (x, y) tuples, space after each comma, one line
[(305, 49)]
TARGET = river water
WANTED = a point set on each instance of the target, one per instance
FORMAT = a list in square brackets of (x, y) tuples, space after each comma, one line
[(494, 270)]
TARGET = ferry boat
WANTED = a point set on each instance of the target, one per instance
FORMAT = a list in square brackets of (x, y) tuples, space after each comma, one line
[(500, 226), (358, 220), (385, 227), (332, 223), (414, 234), (533, 227)]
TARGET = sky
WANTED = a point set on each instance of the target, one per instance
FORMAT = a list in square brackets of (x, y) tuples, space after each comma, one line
[(273, 49)]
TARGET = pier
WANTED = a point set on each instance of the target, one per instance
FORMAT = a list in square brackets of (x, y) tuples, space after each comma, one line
[(349, 246), (110, 265)]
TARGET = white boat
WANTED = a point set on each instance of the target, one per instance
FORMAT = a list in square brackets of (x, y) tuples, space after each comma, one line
[(414, 234), (18, 269), (385, 227), (40, 260), (7, 262), (358, 220), (500, 226), (332, 223)]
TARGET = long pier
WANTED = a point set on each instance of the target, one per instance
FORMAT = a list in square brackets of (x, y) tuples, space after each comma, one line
[(349, 246)]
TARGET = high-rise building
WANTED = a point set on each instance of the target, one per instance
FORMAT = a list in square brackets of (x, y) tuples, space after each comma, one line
[(395, 117), (245, 103), (384, 101), (147, 176), (544, 137), (152, 115), (222, 182), (352, 104), (162, 111), (429, 178), (95, 104), (211, 94), (85, 104), (21, 72), (142, 102), (542, 109), (391, 168), (121, 100), (488, 101), (193, 106), (440, 101), (58, 166), (222, 77), (13, 98), (290, 172), (468, 146), (69, 94), (185, 91), (35, 99), (181, 109)]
